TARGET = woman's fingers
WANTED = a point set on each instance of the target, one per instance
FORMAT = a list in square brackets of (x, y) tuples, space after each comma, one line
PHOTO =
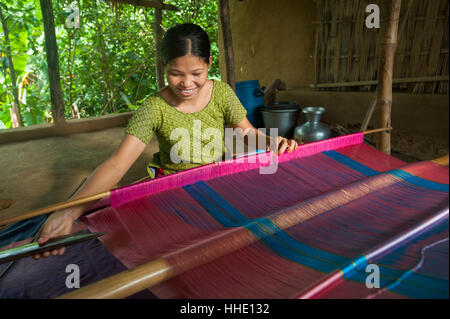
[(282, 145), (293, 146)]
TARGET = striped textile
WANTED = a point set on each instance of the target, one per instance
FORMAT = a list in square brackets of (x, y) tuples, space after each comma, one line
[(305, 231)]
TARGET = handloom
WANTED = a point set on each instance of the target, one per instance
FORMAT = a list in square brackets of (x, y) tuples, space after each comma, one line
[(308, 231)]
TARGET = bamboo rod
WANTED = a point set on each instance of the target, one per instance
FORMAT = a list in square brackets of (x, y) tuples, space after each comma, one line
[(378, 130), (125, 283), (440, 78), (53, 208)]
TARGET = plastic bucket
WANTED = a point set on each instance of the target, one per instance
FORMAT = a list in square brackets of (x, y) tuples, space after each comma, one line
[(251, 97), (281, 115)]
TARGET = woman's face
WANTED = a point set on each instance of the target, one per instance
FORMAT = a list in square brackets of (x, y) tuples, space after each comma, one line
[(187, 75)]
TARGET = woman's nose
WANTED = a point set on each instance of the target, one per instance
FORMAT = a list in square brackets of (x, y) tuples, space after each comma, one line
[(186, 82)]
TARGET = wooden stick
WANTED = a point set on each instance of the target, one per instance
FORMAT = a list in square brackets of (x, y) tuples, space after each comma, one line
[(378, 130), (53, 208), (269, 93)]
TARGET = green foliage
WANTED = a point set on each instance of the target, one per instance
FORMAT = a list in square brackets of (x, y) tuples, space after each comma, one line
[(107, 65)]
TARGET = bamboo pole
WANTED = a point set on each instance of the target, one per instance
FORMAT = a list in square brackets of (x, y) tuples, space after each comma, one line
[(438, 78), (373, 104), (378, 130), (53, 208), (227, 41), (384, 96)]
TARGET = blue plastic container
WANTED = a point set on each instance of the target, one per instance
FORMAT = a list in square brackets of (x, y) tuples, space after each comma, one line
[(251, 97)]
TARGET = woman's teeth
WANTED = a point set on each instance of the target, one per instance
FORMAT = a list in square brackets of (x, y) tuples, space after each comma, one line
[(187, 91)]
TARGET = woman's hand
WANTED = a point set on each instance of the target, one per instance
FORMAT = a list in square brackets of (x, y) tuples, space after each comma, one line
[(283, 145), (59, 223)]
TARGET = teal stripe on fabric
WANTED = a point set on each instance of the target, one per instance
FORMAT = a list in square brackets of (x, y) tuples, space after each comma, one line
[(351, 163), (417, 286), (412, 179), (279, 241)]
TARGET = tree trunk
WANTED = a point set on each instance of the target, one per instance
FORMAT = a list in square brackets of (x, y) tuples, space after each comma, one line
[(384, 97), (51, 49), (228, 42), (107, 84), (16, 118), (158, 58)]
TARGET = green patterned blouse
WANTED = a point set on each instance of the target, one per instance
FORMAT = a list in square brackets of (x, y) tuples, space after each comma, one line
[(186, 140)]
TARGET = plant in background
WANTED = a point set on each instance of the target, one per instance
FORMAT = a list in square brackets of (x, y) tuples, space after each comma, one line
[(107, 65)]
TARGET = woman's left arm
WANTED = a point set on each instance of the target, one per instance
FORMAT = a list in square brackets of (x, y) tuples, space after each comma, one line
[(282, 143)]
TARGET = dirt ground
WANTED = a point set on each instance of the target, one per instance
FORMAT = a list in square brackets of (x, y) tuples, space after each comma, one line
[(42, 172)]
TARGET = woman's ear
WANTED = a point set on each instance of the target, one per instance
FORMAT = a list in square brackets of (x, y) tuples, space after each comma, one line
[(210, 60)]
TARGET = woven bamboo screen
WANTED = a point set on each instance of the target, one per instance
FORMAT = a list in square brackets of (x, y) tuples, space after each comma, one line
[(346, 53)]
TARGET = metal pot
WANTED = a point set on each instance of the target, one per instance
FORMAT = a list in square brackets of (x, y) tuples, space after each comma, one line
[(313, 130), (281, 115)]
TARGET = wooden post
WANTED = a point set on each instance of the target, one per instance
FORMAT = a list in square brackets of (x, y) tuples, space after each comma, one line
[(16, 118), (227, 41), (51, 49), (384, 96), (158, 58)]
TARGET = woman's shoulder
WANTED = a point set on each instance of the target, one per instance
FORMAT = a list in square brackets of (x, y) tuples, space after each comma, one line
[(220, 85), (152, 101)]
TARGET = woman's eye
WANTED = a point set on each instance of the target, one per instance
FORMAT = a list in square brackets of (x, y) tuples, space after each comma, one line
[(196, 74)]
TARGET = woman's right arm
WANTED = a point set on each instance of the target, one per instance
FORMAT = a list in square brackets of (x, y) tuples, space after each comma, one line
[(104, 178)]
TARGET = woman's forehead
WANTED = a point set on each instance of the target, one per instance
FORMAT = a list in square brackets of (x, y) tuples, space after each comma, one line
[(187, 63)]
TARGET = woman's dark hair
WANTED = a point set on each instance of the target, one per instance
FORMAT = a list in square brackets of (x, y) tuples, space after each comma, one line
[(183, 39)]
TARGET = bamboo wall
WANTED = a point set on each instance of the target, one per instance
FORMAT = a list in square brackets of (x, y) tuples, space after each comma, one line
[(346, 52)]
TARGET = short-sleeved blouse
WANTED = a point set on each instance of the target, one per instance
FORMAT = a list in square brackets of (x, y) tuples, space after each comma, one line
[(186, 140)]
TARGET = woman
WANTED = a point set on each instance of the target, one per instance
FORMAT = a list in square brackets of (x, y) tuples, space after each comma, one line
[(189, 103)]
